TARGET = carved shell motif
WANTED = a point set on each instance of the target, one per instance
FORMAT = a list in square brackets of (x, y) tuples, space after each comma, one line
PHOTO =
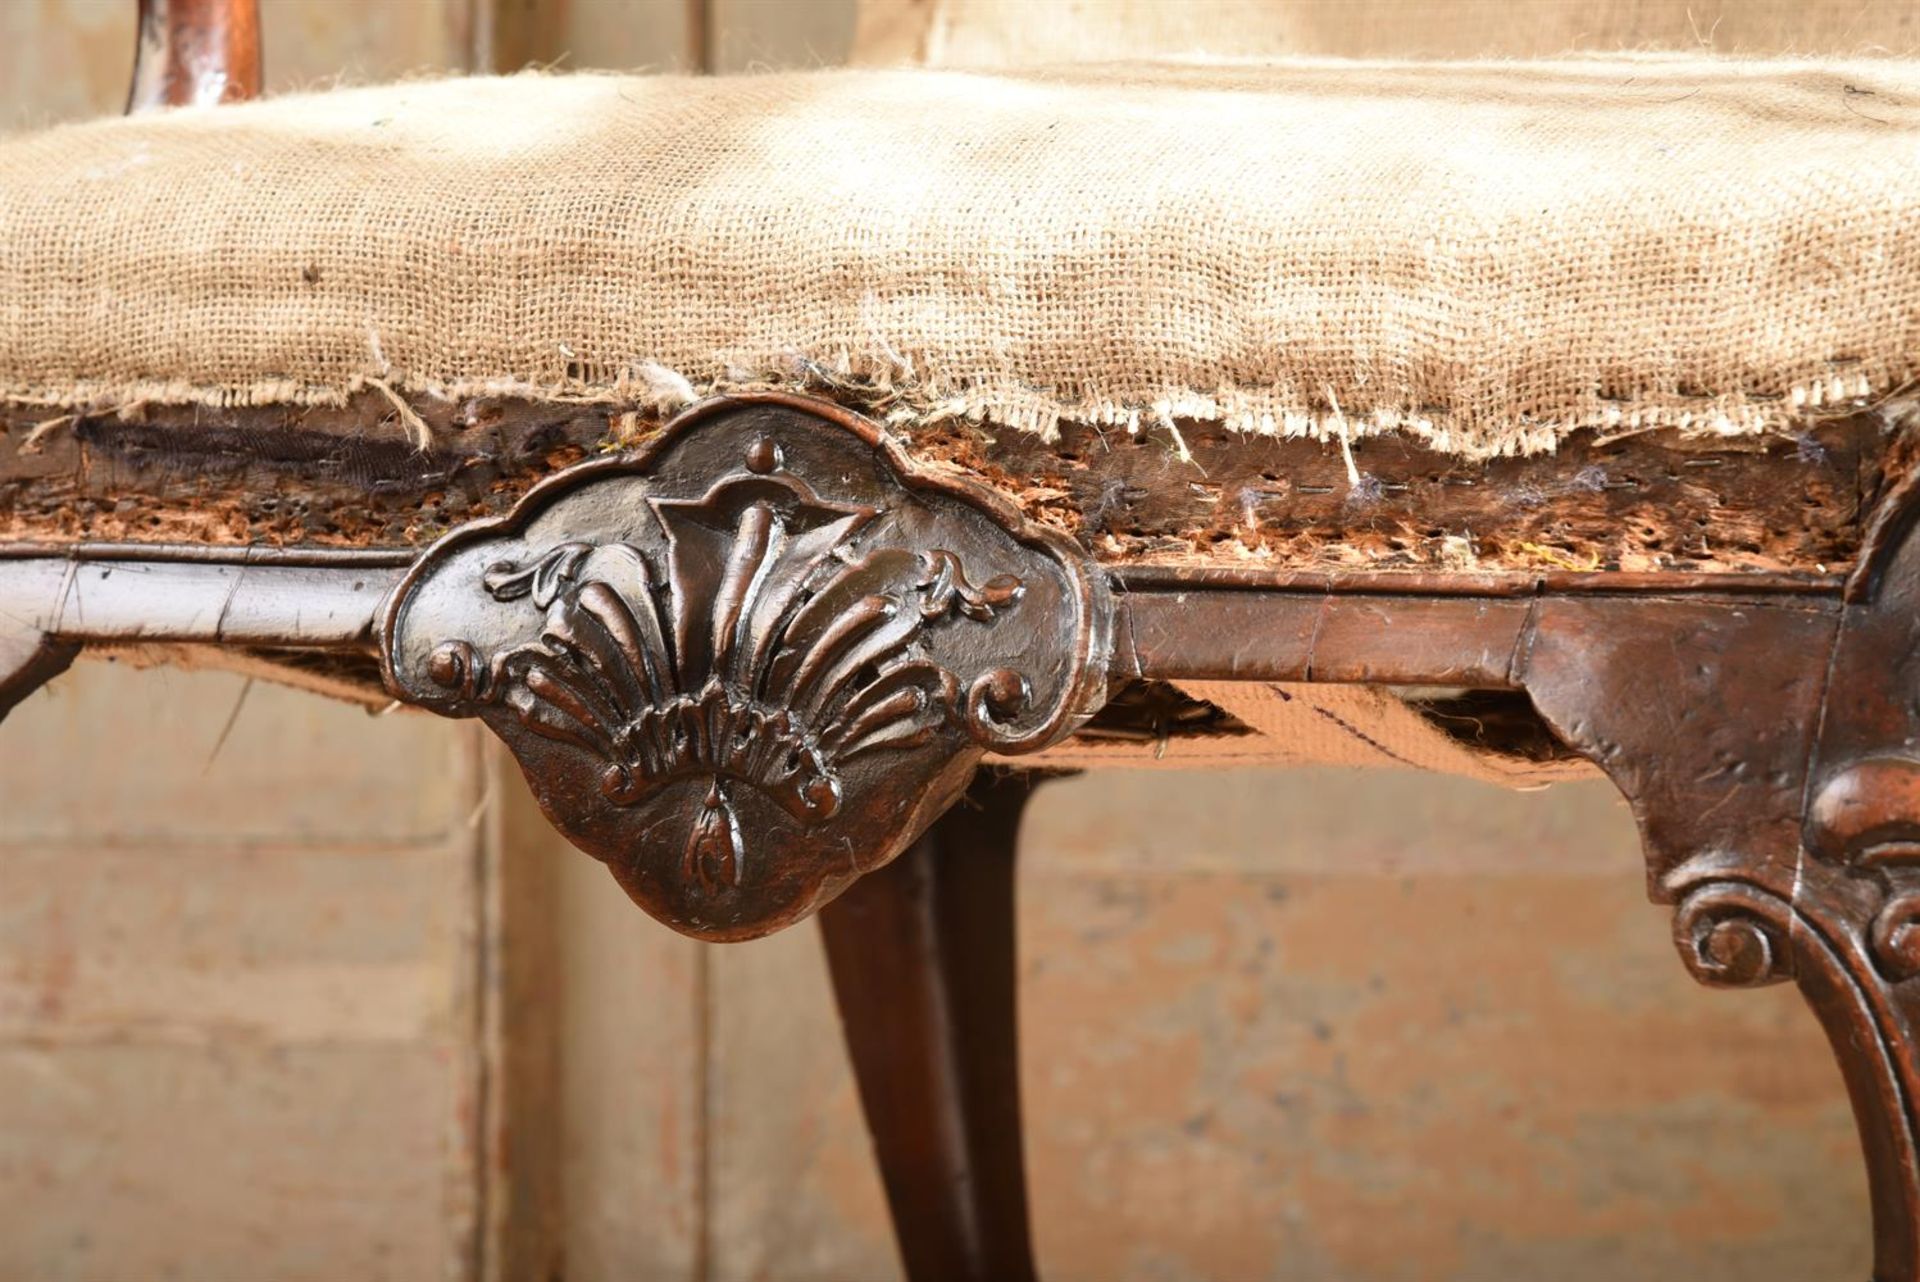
[(765, 651), (774, 672)]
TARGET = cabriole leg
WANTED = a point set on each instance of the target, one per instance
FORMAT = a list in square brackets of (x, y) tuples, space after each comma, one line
[(1771, 751), (1855, 970), (922, 955)]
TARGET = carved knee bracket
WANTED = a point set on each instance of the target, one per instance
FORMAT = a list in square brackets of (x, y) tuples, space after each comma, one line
[(1771, 751), (754, 660)]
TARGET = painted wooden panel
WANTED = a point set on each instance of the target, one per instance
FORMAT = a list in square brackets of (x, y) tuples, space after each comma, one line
[(634, 1007), (1386, 1027), (1002, 32), (309, 44), (238, 988), (767, 34), (63, 59)]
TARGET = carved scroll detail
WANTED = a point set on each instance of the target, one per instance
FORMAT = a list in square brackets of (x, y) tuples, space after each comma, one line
[(1738, 933), (744, 668), (1844, 922), (1865, 823), (1790, 810), (1734, 935)]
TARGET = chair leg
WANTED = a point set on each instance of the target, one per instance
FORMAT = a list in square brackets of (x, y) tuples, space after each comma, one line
[(922, 956), (28, 661), (1854, 971), (1772, 758)]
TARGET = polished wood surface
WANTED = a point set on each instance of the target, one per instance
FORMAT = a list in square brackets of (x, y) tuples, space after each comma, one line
[(771, 681), (922, 955), (196, 53)]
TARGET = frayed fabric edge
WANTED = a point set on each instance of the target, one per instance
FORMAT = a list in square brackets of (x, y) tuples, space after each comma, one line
[(1247, 411)]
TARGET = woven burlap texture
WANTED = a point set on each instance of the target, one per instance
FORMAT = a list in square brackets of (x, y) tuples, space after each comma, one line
[(1485, 255), (1298, 724)]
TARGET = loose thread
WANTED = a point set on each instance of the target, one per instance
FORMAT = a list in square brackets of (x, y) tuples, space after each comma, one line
[(627, 431), (416, 426), (31, 443), (1346, 441)]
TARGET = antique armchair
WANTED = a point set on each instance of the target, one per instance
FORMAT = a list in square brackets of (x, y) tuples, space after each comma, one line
[(777, 463)]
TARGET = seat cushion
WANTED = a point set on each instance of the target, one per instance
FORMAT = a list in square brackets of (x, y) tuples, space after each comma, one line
[(1486, 256)]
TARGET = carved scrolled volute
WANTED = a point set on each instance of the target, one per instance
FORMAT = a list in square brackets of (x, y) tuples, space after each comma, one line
[(755, 660), (1734, 934), (1770, 749), (1865, 819)]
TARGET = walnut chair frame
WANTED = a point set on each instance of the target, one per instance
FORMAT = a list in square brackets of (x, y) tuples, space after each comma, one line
[(753, 664)]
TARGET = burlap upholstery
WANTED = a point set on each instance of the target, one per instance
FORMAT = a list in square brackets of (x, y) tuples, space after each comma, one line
[(1300, 724), (1485, 255)]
